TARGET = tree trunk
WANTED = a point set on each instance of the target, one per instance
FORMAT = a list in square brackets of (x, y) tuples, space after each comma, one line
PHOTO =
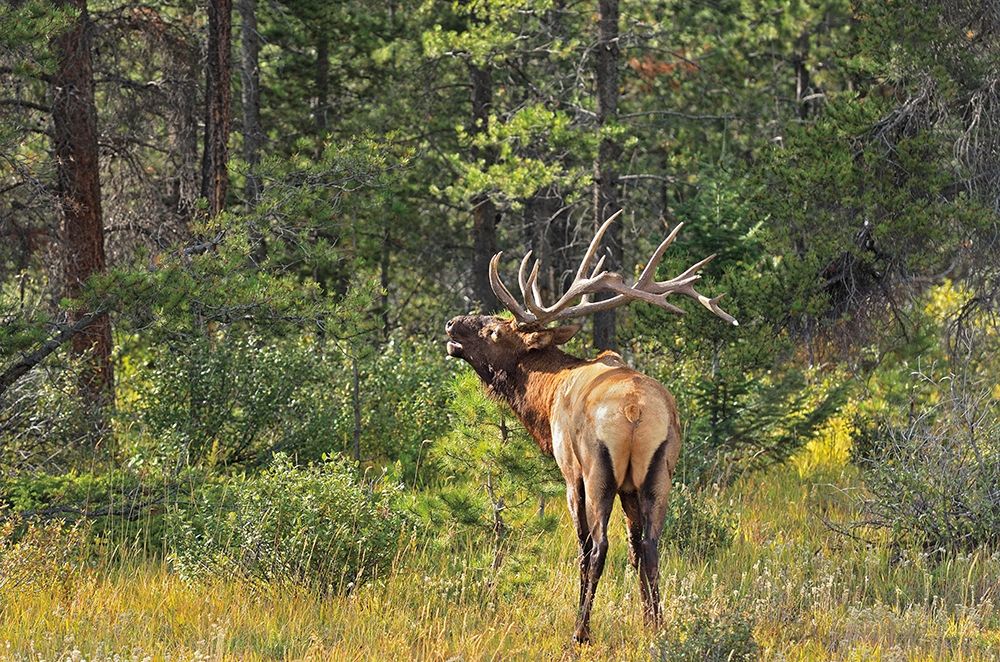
[(218, 111), (321, 109), (385, 264), (356, 406), (484, 212), (802, 82), (253, 135), (605, 176), (74, 120)]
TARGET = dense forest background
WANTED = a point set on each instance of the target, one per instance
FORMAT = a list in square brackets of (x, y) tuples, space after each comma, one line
[(231, 236)]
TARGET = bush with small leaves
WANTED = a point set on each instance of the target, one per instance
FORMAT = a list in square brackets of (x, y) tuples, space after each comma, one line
[(317, 525), (726, 637)]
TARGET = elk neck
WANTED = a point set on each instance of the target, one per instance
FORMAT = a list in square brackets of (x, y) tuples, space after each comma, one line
[(529, 387)]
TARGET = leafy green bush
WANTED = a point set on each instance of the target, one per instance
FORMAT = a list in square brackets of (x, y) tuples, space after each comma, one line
[(403, 402), (238, 398), (233, 399), (695, 524), (700, 637), (316, 525)]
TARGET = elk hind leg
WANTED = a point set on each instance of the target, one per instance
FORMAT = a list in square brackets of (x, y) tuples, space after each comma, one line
[(577, 501), (653, 496), (633, 523), (601, 487)]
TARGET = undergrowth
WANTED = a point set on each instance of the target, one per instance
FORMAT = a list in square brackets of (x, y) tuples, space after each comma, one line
[(786, 587)]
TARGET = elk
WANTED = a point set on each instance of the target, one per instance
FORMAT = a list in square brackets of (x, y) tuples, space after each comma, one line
[(612, 430)]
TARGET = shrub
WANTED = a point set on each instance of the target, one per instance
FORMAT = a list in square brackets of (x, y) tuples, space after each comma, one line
[(694, 524), (233, 400), (935, 481), (38, 555), (44, 423), (315, 525), (701, 637), (237, 398)]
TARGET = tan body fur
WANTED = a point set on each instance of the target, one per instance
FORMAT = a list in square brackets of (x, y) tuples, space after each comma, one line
[(612, 430), (604, 403)]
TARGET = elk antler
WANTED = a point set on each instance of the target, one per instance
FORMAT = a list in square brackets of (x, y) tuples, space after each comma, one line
[(646, 288)]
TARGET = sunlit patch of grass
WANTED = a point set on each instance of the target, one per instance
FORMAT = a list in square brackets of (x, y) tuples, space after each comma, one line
[(830, 449), (808, 593)]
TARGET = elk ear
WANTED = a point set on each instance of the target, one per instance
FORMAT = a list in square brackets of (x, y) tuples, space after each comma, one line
[(546, 337), (562, 334)]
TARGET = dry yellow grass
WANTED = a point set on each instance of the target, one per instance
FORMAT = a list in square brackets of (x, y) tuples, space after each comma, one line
[(810, 594)]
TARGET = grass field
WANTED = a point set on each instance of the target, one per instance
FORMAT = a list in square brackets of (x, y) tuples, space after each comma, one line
[(807, 594)]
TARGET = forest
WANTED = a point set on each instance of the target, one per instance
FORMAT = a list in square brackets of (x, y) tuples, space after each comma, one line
[(231, 237)]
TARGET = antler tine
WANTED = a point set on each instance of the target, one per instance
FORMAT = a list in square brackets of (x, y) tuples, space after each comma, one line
[(649, 273), (711, 303), (595, 244), (690, 274), (598, 267), (534, 300), (504, 294), (522, 280)]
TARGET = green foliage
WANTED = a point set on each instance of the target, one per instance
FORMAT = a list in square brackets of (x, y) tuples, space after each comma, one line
[(491, 487), (746, 401), (403, 399), (69, 490), (26, 29), (315, 525), (740, 422), (696, 636), (233, 399)]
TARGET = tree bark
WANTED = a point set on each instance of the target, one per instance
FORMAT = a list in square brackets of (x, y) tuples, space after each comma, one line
[(385, 264), (253, 134), (802, 81), (218, 111), (605, 175), (484, 212), (74, 120), (321, 109), (356, 406)]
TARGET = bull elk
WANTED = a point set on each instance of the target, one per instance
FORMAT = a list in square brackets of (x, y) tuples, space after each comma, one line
[(611, 429)]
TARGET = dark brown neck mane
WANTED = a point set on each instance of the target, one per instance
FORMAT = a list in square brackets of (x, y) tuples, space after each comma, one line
[(530, 387)]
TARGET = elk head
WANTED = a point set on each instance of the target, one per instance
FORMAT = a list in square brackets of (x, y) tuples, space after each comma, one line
[(494, 345)]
